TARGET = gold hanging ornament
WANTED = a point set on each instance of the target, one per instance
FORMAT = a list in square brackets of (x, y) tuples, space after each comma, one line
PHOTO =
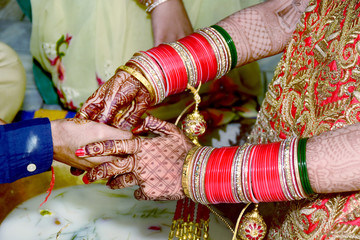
[(251, 226), (194, 124)]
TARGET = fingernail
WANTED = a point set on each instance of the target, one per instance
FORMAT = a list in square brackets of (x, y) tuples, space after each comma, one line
[(85, 179), (80, 152)]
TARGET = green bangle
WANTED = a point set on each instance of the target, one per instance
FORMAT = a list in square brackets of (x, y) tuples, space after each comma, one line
[(300, 163), (304, 177), (302, 167), (229, 42)]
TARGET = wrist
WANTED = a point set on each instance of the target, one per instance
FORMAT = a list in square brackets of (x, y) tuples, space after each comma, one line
[(192, 60), (152, 4), (135, 72), (56, 130), (54, 126), (186, 171)]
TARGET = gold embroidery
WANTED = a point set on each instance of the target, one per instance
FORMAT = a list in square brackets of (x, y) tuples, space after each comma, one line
[(311, 90), (316, 89)]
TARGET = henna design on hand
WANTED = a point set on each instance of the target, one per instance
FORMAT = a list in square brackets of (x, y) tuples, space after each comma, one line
[(112, 147), (132, 115), (263, 30), (123, 96), (157, 162), (113, 168), (332, 160), (117, 95), (122, 181), (125, 88)]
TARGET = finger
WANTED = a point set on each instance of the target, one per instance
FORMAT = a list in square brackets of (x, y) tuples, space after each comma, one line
[(139, 194), (117, 167), (91, 162), (120, 120), (2, 122), (110, 147), (125, 88), (122, 181), (93, 107), (134, 113), (157, 126), (106, 101)]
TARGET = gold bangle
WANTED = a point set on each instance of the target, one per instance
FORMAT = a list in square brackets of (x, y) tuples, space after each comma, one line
[(139, 77), (186, 171), (151, 6), (84, 115), (152, 72)]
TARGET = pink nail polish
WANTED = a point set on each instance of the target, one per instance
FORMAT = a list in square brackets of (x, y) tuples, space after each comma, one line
[(80, 152), (85, 179)]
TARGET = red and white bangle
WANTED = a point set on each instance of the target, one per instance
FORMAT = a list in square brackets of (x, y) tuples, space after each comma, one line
[(188, 62), (220, 49), (250, 173), (152, 72), (170, 68)]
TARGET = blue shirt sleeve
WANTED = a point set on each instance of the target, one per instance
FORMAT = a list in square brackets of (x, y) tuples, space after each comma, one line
[(26, 149)]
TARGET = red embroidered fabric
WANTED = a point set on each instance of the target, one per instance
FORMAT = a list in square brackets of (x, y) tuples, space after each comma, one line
[(316, 89)]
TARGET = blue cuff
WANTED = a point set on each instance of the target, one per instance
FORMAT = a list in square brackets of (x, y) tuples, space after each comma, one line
[(28, 147)]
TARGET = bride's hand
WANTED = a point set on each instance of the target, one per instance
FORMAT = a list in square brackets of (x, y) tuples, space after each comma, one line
[(120, 102), (154, 164)]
